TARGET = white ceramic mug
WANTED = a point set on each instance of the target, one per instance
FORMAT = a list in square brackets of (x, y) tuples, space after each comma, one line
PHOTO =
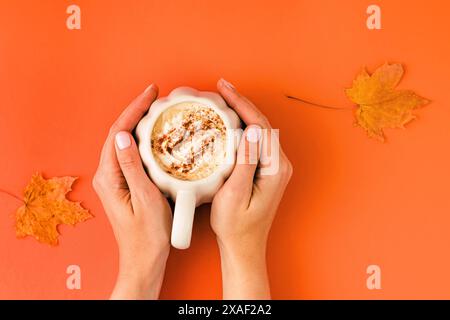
[(188, 194)]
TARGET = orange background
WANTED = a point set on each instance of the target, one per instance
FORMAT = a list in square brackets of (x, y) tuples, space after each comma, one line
[(352, 201)]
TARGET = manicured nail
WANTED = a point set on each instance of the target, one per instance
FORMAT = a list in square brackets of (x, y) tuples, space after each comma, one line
[(150, 87), (123, 140), (253, 134), (228, 85)]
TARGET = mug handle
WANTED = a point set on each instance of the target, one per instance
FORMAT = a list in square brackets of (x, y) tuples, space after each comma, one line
[(183, 219)]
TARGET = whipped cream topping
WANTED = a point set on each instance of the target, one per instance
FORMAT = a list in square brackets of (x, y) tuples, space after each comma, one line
[(189, 141)]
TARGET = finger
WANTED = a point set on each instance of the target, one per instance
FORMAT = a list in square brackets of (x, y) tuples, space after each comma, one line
[(130, 162), (246, 163), (274, 167), (127, 121), (136, 110), (246, 110), (250, 114)]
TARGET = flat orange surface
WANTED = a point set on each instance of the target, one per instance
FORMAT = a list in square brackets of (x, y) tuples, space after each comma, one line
[(352, 202)]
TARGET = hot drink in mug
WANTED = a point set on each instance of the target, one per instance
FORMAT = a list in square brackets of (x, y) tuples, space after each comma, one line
[(188, 144)]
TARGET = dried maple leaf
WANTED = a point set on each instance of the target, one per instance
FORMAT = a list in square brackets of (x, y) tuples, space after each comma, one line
[(45, 207), (379, 104)]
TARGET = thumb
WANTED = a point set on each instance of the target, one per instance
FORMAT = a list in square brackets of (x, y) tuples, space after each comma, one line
[(129, 160), (247, 159)]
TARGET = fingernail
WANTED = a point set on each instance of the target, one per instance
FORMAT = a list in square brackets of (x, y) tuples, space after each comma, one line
[(227, 84), (253, 134), (150, 87), (123, 140)]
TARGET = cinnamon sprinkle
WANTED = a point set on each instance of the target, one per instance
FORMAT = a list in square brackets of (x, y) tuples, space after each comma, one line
[(169, 143)]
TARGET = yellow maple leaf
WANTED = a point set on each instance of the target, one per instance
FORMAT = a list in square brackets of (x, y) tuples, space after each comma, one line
[(45, 207), (380, 105)]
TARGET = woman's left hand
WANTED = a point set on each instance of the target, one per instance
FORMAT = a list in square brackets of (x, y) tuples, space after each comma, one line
[(139, 214)]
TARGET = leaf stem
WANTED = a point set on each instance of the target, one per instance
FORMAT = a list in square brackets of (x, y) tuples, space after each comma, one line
[(316, 104), (11, 194)]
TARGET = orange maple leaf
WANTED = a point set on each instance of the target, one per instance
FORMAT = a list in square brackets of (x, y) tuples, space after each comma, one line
[(379, 104), (45, 207)]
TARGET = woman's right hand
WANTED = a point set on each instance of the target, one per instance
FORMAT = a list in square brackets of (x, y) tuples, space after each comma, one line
[(244, 208)]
